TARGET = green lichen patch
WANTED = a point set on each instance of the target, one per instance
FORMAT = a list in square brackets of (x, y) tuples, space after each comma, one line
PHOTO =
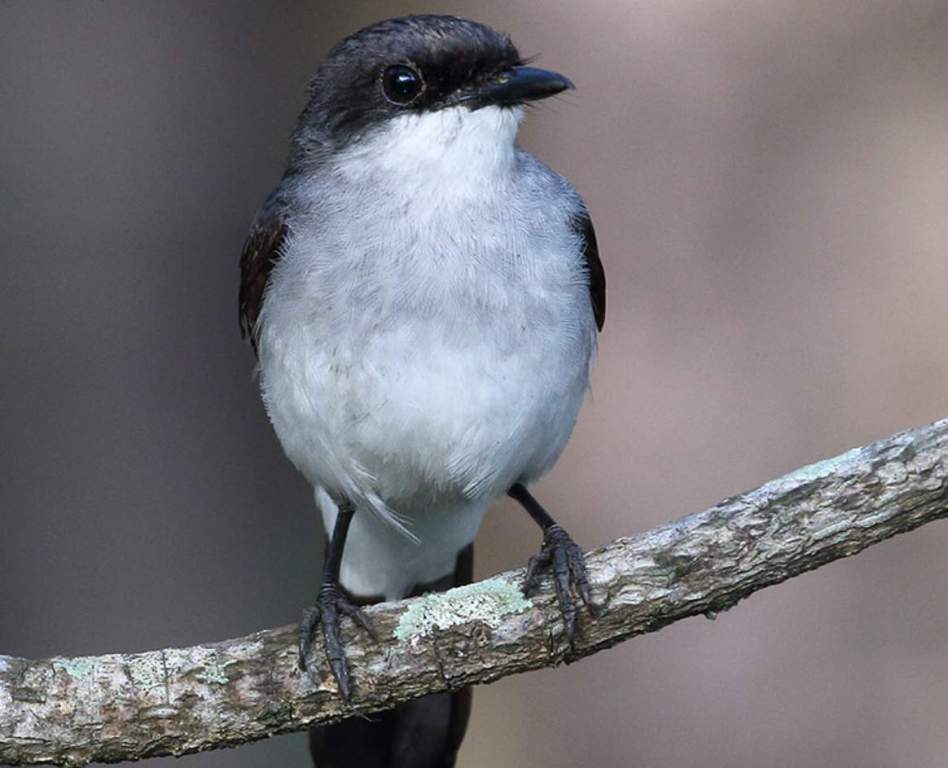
[(79, 667), (485, 602), (214, 671)]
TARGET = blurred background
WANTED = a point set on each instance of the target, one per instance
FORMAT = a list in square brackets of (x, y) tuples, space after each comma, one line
[(769, 182)]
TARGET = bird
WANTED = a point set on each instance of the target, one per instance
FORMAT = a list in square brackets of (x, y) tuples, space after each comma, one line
[(424, 298)]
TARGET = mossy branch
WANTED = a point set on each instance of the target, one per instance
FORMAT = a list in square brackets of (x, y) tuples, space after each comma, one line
[(73, 711)]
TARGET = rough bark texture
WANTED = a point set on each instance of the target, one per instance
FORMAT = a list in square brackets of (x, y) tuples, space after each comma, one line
[(73, 711)]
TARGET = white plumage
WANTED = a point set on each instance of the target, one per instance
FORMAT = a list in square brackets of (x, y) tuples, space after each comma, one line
[(426, 336)]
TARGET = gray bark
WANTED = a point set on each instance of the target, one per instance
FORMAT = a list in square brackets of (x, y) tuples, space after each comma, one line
[(73, 711)]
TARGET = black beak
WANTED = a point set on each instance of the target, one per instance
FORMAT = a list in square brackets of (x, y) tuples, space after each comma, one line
[(516, 86)]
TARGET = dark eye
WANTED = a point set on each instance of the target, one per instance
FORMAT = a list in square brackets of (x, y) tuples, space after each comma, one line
[(401, 84)]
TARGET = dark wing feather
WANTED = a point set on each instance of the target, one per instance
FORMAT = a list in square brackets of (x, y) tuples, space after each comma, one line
[(597, 275), (261, 251)]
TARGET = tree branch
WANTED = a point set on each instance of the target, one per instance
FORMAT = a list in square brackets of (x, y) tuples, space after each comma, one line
[(128, 706)]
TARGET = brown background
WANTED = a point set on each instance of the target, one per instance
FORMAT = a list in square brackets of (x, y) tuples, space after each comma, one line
[(769, 181)]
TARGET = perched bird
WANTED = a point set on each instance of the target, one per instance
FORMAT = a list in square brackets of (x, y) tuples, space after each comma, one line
[(423, 297)]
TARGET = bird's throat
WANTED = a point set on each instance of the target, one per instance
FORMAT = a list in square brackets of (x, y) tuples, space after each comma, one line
[(455, 149)]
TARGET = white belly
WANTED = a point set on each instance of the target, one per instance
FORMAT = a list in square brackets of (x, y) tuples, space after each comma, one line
[(417, 414), (424, 421)]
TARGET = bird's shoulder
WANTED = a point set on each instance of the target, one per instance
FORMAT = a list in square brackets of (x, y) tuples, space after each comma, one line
[(261, 251), (544, 182)]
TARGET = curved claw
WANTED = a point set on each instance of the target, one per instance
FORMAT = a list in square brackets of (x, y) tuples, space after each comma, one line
[(564, 557), (359, 618), (535, 566), (307, 628), (330, 604)]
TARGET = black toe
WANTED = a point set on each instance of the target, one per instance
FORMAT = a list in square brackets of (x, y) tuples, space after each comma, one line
[(330, 605), (563, 557)]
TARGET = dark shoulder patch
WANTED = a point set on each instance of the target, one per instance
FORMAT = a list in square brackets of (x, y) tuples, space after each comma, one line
[(260, 253), (597, 275)]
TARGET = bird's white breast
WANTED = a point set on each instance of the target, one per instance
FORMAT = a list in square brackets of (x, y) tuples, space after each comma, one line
[(426, 337)]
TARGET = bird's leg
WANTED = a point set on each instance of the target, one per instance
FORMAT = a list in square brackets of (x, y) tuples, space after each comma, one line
[(330, 603), (563, 557)]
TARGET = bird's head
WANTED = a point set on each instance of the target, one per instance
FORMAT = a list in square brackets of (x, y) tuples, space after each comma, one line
[(419, 81)]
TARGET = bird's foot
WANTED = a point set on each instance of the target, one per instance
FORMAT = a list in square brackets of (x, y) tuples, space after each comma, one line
[(330, 605), (561, 555)]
